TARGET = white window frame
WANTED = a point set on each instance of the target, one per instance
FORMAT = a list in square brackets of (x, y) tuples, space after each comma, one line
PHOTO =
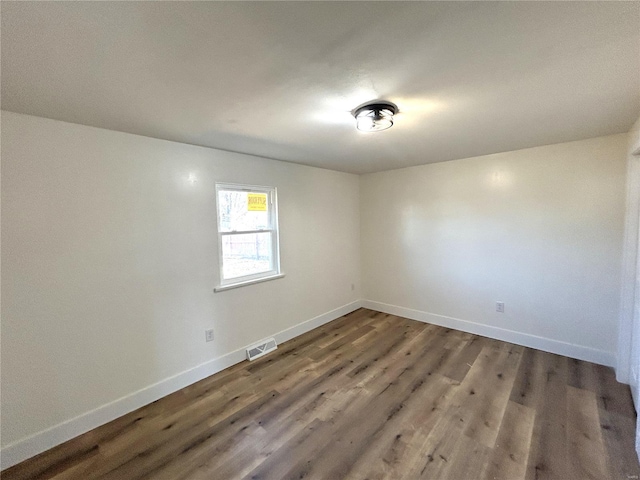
[(272, 197)]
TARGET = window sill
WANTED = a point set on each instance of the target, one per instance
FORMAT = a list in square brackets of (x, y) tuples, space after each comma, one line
[(222, 288)]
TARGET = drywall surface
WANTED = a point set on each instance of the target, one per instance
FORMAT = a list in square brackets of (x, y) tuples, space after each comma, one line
[(628, 365), (539, 229), (110, 258), (629, 336)]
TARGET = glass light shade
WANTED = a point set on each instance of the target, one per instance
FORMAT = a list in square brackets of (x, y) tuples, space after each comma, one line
[(374, 120)]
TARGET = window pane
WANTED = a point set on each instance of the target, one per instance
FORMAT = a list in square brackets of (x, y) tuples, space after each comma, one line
[(246, 254), (240, 211)]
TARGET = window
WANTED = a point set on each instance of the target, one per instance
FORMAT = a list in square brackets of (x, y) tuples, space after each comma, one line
[(247, 234)]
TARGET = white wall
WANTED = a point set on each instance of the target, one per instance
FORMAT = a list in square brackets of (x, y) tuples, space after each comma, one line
[(628, 365), (109, 260), (539, 229), (629, 357)]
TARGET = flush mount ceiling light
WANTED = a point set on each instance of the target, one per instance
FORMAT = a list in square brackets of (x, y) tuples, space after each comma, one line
[(375, 116)]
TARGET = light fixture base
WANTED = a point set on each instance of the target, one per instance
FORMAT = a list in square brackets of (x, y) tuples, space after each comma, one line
[(375, 116)]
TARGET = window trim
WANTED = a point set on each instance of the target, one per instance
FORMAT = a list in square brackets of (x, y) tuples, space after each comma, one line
[(273, 230), (222, 288)]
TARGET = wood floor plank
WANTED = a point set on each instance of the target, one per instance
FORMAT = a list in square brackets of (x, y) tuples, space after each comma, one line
[(464, 360), (389, 450), (153, 459), (582, 375), (371, 395), (612, 396), (509, 456), (469, 460), (585, 443), (548, 458), (432, 460), (479, 406), (619, 439), (530, 384)]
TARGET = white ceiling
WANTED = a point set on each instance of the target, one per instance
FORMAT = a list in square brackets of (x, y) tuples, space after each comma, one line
[(280, 79)]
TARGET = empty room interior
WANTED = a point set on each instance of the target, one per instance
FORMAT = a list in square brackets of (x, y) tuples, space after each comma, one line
[(327, 240)]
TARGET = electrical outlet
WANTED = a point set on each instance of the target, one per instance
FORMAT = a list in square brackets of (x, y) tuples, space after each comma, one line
[(353, 287), (500, 307), (208, 335)]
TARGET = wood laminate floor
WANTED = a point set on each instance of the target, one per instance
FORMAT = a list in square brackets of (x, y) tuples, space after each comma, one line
[(370, 396)]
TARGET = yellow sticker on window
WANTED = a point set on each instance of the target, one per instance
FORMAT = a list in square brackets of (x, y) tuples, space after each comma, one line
[(257, 202)]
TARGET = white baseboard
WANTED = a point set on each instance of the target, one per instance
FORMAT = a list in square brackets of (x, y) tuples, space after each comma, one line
[(540, 343), (46, 439)]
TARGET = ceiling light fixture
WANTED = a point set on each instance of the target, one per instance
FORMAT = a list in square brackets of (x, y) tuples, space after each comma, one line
[(375, 116)]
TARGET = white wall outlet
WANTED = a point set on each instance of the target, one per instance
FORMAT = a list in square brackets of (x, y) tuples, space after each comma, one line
[(500, 307), (353, 287), (208, 335)]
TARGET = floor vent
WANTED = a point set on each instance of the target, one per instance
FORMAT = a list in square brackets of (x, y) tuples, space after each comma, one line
[(256, 351)]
